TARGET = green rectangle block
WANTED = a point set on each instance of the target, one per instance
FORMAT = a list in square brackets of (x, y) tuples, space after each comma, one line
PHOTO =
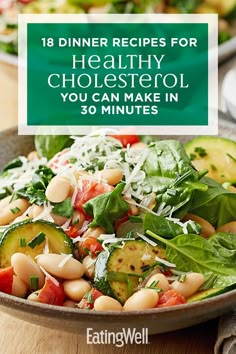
[(117, 74)]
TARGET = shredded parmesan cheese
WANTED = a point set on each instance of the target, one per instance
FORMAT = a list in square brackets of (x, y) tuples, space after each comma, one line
[(152, 243), (65, 260), (163, 261), (55, 282)]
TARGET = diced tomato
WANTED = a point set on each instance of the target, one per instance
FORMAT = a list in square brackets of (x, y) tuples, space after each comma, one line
[(91, 246), (25, 1), (88, 300), (6, 280), (90, 189), (72, 232), (51, 293), (127, 139), (170, 298)]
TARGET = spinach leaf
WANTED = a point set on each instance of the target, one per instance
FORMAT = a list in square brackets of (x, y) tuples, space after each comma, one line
[(35, 190), (167, 228), (13, 164), (64, 208), (50, 145), (225, 245), (194, 253), (171, 175), (217, 205), (107, 208)]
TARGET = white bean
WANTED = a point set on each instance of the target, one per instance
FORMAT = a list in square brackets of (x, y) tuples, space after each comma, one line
[(89, 265), (161, 280), (93, 232), (19, 288), (58, 189), (142, 300), (111, 175), (190, 285), (12, 210), (25, 267), (51, 262), (107, 303), (76, 289), (34, 296), (33, 155)]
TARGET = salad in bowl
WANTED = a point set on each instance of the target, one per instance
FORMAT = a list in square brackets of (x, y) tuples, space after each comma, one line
[(108, 222)]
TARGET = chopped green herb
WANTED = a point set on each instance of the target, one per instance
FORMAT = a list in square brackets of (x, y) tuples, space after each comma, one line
[(213, 167), (34, 282), (192, 156), (153, 284), (137, 219), (73, 160), (75, 222), (231, 157), (23, 242), (87, 250), (37, 240), (200, 151), (182, 278), (86, 295), (15, 210)]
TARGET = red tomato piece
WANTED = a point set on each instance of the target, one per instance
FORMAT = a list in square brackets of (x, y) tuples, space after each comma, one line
[(91, 246), (88, 300), (90, 189), (127, 139), (72, 232), (25, 1), (51, 293), (6, 280), (170, 298)]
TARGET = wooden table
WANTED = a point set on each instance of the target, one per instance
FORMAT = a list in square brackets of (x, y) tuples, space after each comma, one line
[(18, 337)]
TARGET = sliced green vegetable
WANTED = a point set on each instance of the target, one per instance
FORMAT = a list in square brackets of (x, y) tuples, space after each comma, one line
[(118, 271), (54, 238), (220, 153)]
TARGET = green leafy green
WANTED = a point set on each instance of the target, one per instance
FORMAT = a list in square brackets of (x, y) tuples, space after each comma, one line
[(225, 244), (64, 208), (171, 176), (167, 228), (35, 190), (194, 253), (50, 145), (217, 205), (13, 164), (107, 208)]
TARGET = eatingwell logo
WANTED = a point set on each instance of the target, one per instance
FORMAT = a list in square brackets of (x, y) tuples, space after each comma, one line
[(119, 339)]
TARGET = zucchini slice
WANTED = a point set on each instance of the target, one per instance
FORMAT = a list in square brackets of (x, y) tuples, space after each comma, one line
[(216, 154), (114, 269), (17, 237)]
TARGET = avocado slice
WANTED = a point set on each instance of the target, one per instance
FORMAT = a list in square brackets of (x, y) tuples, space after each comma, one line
[(216, 154)]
